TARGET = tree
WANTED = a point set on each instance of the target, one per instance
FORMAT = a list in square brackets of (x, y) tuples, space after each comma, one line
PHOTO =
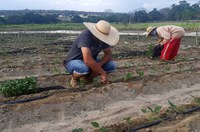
[(141, 16), (155, 15), (77, 19), (165, 13)]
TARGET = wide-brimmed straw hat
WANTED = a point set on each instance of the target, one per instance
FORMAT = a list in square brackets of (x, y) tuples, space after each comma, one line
[(103, 31), (149, 30)]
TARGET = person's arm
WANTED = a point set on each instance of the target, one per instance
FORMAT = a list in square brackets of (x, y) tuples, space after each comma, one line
[(164, 35), (89, 61), (107, 56)]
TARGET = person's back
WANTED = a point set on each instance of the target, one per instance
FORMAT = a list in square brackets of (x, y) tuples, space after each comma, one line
[(170, 31)]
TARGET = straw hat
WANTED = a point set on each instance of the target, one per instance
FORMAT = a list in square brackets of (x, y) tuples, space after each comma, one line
[(103, 31), (149, 30)]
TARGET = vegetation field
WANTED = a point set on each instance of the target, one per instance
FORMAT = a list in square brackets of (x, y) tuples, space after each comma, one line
[(189, 26), (141, 91)]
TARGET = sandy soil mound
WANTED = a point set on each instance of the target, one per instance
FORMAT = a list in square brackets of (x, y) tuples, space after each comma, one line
[(106, 105)]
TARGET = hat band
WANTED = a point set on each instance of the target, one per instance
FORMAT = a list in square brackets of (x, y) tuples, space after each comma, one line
[(101, 31)]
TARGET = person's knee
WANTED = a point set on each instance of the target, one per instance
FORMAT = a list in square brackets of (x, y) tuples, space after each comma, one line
[(110, 66), (77, 66)]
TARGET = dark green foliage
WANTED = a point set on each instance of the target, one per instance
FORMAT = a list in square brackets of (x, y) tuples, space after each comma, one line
[(78, 130), (18, 86), (95, 124), (149, 51)]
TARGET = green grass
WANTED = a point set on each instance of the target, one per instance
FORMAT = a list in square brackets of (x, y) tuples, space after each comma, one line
[(79, 26)]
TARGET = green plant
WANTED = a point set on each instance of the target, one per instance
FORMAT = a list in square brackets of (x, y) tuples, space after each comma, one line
[(153, 117), (18, 86), (56, 70), (149, 51), (156, 110), (96, 125), (174, 108), (127, 77), (128, 120), (82, 83), (196, 100), (96, 82), (78, 130), (140, 73)]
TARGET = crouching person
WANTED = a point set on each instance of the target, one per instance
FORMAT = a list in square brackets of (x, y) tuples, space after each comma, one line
[(170, 37), (82, 61)]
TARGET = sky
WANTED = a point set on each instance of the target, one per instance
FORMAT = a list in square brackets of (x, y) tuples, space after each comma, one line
[(88, 5)]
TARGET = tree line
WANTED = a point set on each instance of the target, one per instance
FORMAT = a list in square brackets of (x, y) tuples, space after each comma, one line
[(180, 12)]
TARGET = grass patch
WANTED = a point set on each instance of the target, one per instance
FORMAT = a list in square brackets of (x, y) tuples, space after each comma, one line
[(79, 26)]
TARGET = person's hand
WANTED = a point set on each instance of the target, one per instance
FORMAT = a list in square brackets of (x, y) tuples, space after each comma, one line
[(159, 41), (104, 79)]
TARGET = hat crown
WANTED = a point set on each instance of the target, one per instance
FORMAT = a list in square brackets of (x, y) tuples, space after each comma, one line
[(149, 29), (103, 27)]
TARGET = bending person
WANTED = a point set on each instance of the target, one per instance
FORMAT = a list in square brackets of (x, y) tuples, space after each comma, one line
[(170, 36), (82, 59)]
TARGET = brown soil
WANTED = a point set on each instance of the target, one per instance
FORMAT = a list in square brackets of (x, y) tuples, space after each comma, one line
[(66, 109)]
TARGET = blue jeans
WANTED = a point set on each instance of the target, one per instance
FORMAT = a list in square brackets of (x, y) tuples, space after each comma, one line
[(79, 67)]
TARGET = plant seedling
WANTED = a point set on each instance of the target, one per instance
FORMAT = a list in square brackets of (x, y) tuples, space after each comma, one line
[(152, 111), (156, 110), (173, 107), (96, 125), (128, 120), (150, 50), (196, 100), (18, 87), (127, 77), (140, 73), (78, 130)]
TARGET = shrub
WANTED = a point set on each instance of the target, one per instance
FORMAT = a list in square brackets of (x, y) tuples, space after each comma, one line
[(18, 86)]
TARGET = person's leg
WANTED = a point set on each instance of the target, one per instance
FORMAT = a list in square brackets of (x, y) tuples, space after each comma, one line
[(77, 68), (110, 66), (175, 49), (168, 49)]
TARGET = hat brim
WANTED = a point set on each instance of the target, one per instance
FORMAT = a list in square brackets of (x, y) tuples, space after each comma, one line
[(148, 33), (111, 39)]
